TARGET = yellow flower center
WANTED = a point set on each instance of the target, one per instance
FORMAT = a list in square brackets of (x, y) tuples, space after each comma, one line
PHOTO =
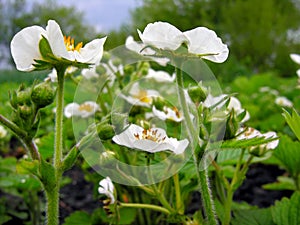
[(86, 107), (150, 134), (70, 44), (143, 97)]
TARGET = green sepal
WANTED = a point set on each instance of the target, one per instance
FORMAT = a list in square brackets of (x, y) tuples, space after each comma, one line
[(244, 143), (45, 48), (25, 166), (47, 175), (293, 121), (70, 159)]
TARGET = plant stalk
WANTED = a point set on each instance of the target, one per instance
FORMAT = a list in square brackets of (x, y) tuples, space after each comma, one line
[(194, 136)]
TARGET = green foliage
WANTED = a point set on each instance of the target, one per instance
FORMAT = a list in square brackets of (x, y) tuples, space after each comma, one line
[(293, 121), (288, 152), (287, 211), (253, 217), (78, 218)]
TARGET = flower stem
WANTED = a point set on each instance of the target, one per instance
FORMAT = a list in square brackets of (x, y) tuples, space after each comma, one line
[(194, 137), (52, 194), (26, 141), (179, 204), (145, 206)]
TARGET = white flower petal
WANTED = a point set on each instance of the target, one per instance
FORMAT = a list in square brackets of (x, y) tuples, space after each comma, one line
[(92, 52), (203, 41), (25, 47), (147, 52), (295, 57), (133, 138), (162, 35), (71, 109), (160, 76), (56, 40)]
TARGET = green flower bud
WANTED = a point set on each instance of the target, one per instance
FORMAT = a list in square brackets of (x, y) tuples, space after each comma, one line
[(232, 126), (25, 111), (105, 131), (145, 69), (43, 94), (23, 97), (116, 62), (105, 57), (159, 103), (128, 69), (197, 94), (100, 69)]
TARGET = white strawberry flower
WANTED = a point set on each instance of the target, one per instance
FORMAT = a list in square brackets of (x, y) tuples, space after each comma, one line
[(107, 188), (150, 140), (83, 110), (200, 41), (25, 47)]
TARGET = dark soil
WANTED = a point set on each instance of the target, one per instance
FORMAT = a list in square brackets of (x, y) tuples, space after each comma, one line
[(78, 195)]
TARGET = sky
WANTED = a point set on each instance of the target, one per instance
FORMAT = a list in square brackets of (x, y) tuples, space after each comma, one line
[(105, 15)]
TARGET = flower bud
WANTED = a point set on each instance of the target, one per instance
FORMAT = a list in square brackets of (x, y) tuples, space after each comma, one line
[(23, 97), (197, 94), (25, 111), (105, 131), (116, 62), (232, 126), (100, 69), (105, 57), (128, 69), (159, 103), (43, 94)]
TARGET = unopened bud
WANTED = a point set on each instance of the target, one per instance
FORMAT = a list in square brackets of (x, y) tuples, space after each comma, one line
[(159, 103), (25, 111), (23, 97), (100, 70), (116, 62), (232, 126), (197, 94), (105, 131), (43, 94), (105, 57)]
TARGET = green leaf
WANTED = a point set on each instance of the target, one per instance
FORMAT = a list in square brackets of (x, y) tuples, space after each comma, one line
[(253, 217), (78, 218), (283, 183), (288, 152), (47, 172), (25, 166), (287, 211), (70, 159), (8, 165), (293, 121)]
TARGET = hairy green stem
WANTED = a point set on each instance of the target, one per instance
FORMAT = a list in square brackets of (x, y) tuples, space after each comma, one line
[(145, 206), (27, 142), (194, 137), (179, 203), (52, 194)]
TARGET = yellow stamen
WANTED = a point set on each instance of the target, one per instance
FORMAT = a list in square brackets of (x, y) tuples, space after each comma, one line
[(69, 42), (86, 107), (150, 134), (143, 97)]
